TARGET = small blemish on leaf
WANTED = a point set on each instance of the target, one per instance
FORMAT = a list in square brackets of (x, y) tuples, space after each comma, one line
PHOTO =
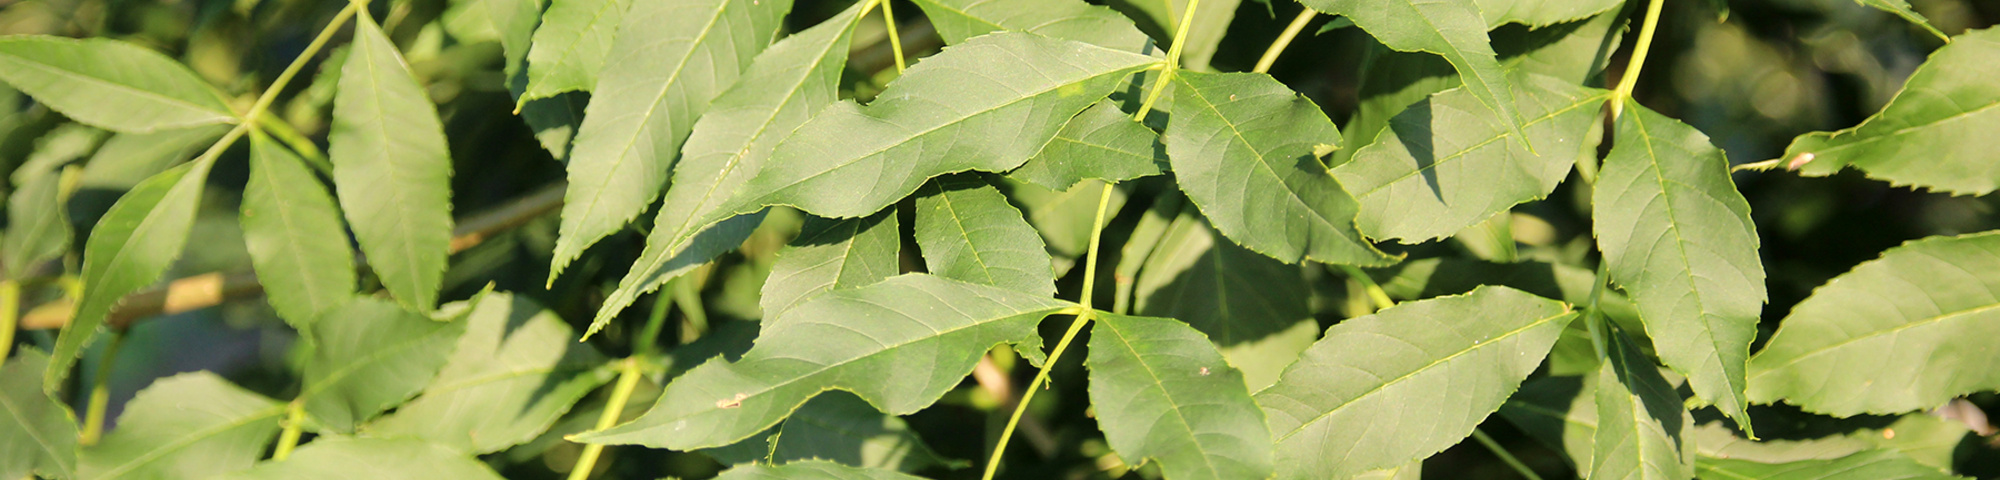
[(731, 402), (1799, 161), (1204, 371)]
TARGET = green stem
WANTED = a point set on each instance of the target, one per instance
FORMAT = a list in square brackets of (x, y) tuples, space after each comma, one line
[(1638, 62), (1284, 39), (284, 132), (1593, 314), (1173, 63), (1375, 292), (10, 315), (295, 419), (647, 343), (1519, 467), (687, 295), (895, 44), (628, 378), (1083, 317), (100, 393)]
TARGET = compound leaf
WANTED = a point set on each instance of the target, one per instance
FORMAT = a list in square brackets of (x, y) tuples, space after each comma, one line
[(1895, 334), (899, 344), (1381, 390), (110, 84), (1678, 237), (369, 355), (192, 425), (1163, 393), (293, 232), (670, 59), (391, 169), (1242, 146), (1917, 139), (968, 232)]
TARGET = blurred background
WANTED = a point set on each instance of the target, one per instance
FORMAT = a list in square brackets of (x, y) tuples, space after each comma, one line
[(1752, 79)]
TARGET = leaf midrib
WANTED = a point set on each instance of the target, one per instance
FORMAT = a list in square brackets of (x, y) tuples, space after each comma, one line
[(283, 212), (1877, 333), (195, 436), (1263, 163), (566, 56), (128, 89), (1462, 153), (1206, 462)]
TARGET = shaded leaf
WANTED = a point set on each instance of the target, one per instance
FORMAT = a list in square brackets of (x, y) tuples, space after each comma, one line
[(60, 146), (1560, 412), (391, 169), (369, 355), (37, 434), (1064, 218), (938, 118), (338, 458), (960, 20), (670, 59), (1873, 464), (110, 84), (514, 371), (900, 344), (841, 428), (293, 232), (1242, 146), (128, 158), (570, 46), (38, 227), (1452, 29), (1163, 393), (1445, 163), (1102, 143), (1381, 390), (1211, 22), (1900, 333), (1643, 433), (1678, 237), (832, 254), (781, 89), (1231, 294), (1902, 9), (1916, 139), (192, 425), (968, 232), (809, 470), (129, 249)]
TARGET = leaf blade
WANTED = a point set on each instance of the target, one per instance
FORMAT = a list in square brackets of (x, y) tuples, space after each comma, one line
[(1915, 139), (193, 424), (293, 232), (968, 232), (1164, 393), (110, 84), (369, 355)]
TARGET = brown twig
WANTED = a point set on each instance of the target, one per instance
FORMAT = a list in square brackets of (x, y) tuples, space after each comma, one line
[(213, 288)]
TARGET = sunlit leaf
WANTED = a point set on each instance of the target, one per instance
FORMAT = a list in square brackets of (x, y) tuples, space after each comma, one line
[(1900, 333), (1243, 146), (369, 355), (38, 434), (1679, 239), (810, 470), (1164, 394), (192, 425), (391, 169), (294, 235), (900, 344), (1452, 29), (110, 84), (1102, 143), (1432, 369), (1873, 464), (340, 458), (570, 46), (960, 20), (832, 254), (968, 232)]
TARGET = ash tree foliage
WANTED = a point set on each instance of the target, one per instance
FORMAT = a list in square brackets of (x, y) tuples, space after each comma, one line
[(759, 239)]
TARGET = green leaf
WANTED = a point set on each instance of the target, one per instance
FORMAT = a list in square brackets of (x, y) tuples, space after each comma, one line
[(38, 434), (809, 470), (899, 344), (570, 46), (1917, 139), (1643, 433), (340, 458), (1679, 239), (1873, 464), (555, 121), (1445, 164), (128, 158), (960, 20), (1539, 13), (1558, 411), (1102, 143), (831, 255), (60, 146), (1162, 392), (670, 59), (129, 249), (1896, 334), (294, 235), (509, 22), (1452, 29), (369, 355), (968, 232), (1433, 368), (38, 227), (1242, 146), (1230, 294), (515, 370), (391, 169), (1574, 354), (192, 425), (841, 428), (1715, 440), (1211, 22), (938, 118), (1902, 9), (110, 84), (781, 89)]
